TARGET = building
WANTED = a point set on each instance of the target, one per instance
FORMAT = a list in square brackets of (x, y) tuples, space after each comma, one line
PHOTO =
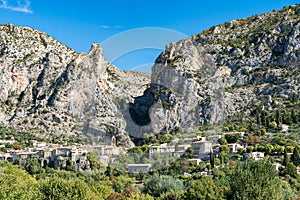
[(213, 138), (24, 155), (257, 155), (194, 139), (163, 149), (196, 160), (5, 156), (284, 127), (202, 149), (182, 147), (139, 168), (276, 166), (234, 147)]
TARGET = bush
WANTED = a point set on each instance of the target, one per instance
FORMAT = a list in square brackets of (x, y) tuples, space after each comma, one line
[(157, 185), (203, 189), (255, 180)]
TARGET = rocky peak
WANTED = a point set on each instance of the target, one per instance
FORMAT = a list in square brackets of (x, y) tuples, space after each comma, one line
[(220, 71), (45, 83), (200, 80)]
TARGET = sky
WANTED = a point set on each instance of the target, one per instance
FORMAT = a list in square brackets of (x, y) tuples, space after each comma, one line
[(132, 32)]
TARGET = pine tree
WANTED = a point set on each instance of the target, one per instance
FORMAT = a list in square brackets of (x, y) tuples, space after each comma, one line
[(296, 157)]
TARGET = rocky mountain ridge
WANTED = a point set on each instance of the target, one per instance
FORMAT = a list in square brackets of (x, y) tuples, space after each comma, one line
[(197, 81), (224, 70), (46, 84)]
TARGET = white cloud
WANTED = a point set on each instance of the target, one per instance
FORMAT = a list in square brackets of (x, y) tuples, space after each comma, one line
[(106, 26), (21, 6)]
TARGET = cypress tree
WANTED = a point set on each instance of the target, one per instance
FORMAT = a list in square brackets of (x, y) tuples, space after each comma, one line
[(258, 120), (212, 159), (278, 117), (285, 158), (294, 116), (296, 157)]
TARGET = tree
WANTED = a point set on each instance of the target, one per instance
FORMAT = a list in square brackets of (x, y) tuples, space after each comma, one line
[(241, 151), (295, 157), (224, 148), (255, 180), (291, 169), (269, 149), (232, 138), (165, 138), (203, 189), (258, 119), (121, 182), (189, 153), (250, 149), (102, 191), (278, 149), (285, 158), (293, 97), (273, 124), (212, 159), (224, 157), (223, 141), (294, 116), (16, 183), (278, 117), (156, 185), (263, 131), (33, 166), (59, 188), (217, 161), (289, 148), (94, 161), (252, 139)]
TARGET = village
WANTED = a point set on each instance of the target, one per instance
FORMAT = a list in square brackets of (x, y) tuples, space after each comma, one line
[(59, 156)]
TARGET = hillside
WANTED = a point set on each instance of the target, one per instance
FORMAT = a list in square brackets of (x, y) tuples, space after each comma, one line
[(225, 70), (47, 85), (228, 70)]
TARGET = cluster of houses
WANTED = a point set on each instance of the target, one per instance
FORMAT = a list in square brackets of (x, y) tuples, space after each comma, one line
[(59, 156), (202, 147)]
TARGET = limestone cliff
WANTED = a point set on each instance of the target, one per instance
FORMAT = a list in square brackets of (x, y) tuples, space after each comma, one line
[(221, 71), (46, 84), (200, 80)]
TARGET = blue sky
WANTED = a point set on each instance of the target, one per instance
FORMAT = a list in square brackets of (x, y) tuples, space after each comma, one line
[(78, 24)]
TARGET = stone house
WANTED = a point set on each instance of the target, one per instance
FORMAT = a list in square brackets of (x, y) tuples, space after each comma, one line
[(202, 149), (163, 149)]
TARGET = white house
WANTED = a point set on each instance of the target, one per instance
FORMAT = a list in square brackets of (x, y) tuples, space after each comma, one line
[(257, 155)]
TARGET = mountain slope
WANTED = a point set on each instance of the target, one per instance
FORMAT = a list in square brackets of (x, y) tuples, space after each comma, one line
[(46, 84), (223, 70)]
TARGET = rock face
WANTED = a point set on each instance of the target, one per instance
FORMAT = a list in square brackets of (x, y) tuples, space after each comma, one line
[(44, 83), (219, 72), (196, 81)]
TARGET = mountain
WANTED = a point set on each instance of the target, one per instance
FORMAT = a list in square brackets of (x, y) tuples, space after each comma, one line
[(223, 71), (226, 70), (48, 85)]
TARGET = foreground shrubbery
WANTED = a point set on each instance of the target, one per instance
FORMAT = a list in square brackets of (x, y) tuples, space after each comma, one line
[(245, 180)]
